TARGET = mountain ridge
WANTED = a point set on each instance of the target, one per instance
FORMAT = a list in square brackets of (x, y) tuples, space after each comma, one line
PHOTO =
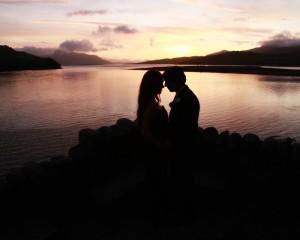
[(77, 59), (66, 58), (12, 60), (265, 55)]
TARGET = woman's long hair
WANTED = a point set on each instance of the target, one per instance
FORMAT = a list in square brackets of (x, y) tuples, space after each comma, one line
[(150, 89)]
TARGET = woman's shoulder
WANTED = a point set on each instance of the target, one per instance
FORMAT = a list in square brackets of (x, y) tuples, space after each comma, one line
[(159, 109), (162, 109), (162, 113), (156, 109), (151, 108)]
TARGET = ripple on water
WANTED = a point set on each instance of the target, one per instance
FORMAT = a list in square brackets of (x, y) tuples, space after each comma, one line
[(42, 112)]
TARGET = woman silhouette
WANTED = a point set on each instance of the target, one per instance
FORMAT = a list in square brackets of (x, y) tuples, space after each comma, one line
[(152, 120)]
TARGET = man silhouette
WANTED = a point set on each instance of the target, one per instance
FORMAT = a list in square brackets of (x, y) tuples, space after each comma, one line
[(183, 131), (183, 117)]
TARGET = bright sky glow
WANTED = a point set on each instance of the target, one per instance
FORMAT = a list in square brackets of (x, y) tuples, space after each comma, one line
[(143, 29)]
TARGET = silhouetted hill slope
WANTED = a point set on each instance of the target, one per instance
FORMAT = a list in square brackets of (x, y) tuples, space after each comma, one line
[(72, 58), (180, 60), (293, 50), (11, 60), (271, 56)]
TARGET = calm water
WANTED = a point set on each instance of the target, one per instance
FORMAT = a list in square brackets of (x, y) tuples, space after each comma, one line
[(41, 112)]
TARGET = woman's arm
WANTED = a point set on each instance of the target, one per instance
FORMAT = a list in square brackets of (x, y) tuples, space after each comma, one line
[(148, 126), (155, 126)]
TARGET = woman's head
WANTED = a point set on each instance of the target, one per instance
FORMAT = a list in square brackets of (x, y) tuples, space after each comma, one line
[(152, 84), (150, 90)]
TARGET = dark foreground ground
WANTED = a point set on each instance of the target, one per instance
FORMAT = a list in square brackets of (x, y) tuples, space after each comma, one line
[(241, 188), (234, 69)]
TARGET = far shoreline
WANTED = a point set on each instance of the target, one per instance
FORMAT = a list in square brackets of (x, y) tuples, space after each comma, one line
[(258, 70)]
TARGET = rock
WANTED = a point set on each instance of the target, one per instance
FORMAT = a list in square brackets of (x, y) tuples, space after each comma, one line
[(285, 147), (15, 177), (200, 136), (270, 144), (107, 166), (117, 132), (250, 138), (87, 137), (251, 142), (119, 186), (32, 169), (223, 138), (59, 159), (76, 153), (104, 135), (296, 154), (234, 141), (104, 131), (200, 130), (126, 124), (210, 135)]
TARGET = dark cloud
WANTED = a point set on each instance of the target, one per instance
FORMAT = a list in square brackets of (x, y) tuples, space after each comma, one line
[(77, 46), (36, 51), (118, 29), (125, 29), (73, 46), (102, 30), (31, 1), (87, 12), (284, 39)]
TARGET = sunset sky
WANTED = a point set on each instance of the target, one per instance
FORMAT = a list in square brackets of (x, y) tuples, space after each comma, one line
[(144, 29)]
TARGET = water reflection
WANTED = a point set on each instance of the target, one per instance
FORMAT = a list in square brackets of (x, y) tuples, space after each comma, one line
[(248, 103), (284, 79), (66, 100), (280, 85)]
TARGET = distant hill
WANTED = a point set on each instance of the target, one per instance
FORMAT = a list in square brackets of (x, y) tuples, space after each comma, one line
[(277, 50), (270, 56), (72, 58), (11, 60)]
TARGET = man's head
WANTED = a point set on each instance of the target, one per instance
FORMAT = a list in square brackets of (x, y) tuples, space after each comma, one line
[(174, 78)]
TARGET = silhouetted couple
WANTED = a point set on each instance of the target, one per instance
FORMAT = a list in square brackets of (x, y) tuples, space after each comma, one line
[(169, 139)]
